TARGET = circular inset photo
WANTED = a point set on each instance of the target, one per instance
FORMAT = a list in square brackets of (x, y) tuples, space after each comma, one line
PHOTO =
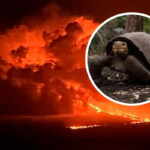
[(118, 59)]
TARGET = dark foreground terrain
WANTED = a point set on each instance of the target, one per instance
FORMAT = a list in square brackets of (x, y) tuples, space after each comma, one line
[(121, 87), (53, 133), (128, 93)]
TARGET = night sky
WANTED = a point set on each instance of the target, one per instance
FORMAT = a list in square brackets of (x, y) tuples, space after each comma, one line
[(12, 11)]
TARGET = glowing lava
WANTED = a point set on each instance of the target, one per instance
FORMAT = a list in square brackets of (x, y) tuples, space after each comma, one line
[(96, 108), (83, 127)]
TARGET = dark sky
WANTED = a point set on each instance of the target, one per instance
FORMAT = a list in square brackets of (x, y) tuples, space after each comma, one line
[(12, 10)]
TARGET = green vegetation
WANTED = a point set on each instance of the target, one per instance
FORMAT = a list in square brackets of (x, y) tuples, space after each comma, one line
[(113, 28), (146, 25)]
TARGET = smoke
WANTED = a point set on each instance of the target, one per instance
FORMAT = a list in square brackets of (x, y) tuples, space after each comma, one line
[(42, 63), (101, 10)]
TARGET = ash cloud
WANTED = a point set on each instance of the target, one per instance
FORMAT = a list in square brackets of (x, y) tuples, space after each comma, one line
[(42, 63)]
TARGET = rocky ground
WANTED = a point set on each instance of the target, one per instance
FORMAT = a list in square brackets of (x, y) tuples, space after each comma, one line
[(42, 133), (121, 88)]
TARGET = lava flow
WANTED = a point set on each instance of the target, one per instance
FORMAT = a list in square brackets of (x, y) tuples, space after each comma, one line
[(42, 69)]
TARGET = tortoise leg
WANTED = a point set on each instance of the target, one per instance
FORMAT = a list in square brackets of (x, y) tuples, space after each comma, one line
[(117, 64), (136, 69), (96, 63)]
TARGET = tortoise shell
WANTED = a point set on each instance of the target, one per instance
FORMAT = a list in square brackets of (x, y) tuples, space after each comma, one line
[(138, 45)]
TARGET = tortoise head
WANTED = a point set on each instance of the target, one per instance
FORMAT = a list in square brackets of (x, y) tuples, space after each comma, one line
[(120, 48)]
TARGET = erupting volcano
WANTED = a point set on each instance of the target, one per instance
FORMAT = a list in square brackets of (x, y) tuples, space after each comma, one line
[(42, 71)]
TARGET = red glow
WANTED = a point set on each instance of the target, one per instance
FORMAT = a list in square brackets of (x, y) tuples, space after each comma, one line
[(60, 42)]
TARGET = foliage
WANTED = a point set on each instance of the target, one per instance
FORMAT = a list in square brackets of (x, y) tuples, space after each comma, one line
[(147, 25), (111, 29)]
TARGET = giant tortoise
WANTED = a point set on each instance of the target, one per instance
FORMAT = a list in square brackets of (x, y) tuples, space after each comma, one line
[(127, 54)]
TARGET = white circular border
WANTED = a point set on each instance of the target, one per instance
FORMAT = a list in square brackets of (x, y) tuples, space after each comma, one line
[(86, 57)]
